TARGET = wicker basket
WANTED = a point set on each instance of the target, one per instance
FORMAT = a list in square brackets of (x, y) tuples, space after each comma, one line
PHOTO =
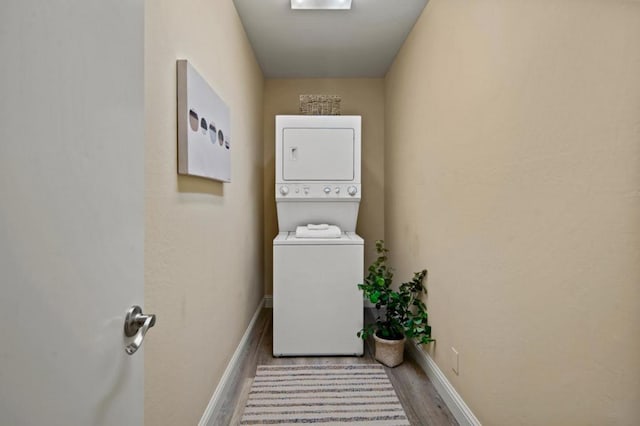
[(389, 352), (320, 104)]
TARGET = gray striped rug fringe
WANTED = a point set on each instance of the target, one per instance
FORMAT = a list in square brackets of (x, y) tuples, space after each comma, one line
[(323, 394)]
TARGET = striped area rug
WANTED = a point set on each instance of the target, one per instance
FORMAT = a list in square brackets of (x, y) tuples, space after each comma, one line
[(324, 394)]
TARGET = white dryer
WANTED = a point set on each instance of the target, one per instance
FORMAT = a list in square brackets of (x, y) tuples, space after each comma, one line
[(317, 307)]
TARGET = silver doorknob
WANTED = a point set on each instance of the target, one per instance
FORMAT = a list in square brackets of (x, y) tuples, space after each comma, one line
[(137, 324)]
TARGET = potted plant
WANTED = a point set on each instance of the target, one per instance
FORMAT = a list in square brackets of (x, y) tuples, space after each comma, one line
[(401, 314)]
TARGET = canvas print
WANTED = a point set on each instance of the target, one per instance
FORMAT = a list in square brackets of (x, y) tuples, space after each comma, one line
[(204, 124)]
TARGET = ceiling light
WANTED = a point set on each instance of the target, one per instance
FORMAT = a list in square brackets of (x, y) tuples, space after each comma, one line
[(321, 4)]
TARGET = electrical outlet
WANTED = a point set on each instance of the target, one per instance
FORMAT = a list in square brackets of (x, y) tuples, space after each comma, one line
[(455, 361)]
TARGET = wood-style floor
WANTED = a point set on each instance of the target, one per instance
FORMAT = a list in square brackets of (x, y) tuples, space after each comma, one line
[(419, 398)]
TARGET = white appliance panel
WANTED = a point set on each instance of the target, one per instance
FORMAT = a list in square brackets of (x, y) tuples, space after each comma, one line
[(318, 154), (317, 307), (289, 238)]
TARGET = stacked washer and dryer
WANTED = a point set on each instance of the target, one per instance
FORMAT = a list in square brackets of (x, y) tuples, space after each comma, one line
[(317, 256)]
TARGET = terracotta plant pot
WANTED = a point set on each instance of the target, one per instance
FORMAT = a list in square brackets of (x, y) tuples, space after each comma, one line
[(389, 352)]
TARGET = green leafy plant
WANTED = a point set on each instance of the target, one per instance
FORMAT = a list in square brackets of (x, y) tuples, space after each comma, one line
[(400, 313)]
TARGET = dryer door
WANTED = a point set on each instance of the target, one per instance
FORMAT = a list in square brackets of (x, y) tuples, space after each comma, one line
[(318, 154)]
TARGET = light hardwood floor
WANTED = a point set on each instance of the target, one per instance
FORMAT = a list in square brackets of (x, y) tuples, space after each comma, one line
[(421, 402)]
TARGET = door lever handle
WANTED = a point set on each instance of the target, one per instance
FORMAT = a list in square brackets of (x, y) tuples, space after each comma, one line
[(137, 324)]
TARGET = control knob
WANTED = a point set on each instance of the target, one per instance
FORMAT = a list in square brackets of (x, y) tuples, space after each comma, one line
[(327, 190), (352, 190), (284, 190)]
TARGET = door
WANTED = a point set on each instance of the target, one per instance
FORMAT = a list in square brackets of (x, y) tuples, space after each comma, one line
[(318, 154), (71, 210)]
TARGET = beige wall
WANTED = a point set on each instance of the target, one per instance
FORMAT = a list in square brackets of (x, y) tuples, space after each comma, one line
[(512, 166), (362, 96), (203, 247)]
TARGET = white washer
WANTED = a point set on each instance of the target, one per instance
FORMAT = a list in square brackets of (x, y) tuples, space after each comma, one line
[(317, 306)]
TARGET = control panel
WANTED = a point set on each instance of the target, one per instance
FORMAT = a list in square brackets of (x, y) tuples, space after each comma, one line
[(317, 191)]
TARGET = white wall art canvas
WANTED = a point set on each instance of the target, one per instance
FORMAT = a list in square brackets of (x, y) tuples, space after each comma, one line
[(204, 127)]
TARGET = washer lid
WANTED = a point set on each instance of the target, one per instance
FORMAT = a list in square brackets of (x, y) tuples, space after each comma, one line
[(289, 238)]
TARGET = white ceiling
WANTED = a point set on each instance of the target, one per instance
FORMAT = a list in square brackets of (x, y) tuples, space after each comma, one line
[(360, 42)]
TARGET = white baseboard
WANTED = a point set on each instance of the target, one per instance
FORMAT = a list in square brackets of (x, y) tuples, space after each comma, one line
[(450, 396), (234, 364)]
